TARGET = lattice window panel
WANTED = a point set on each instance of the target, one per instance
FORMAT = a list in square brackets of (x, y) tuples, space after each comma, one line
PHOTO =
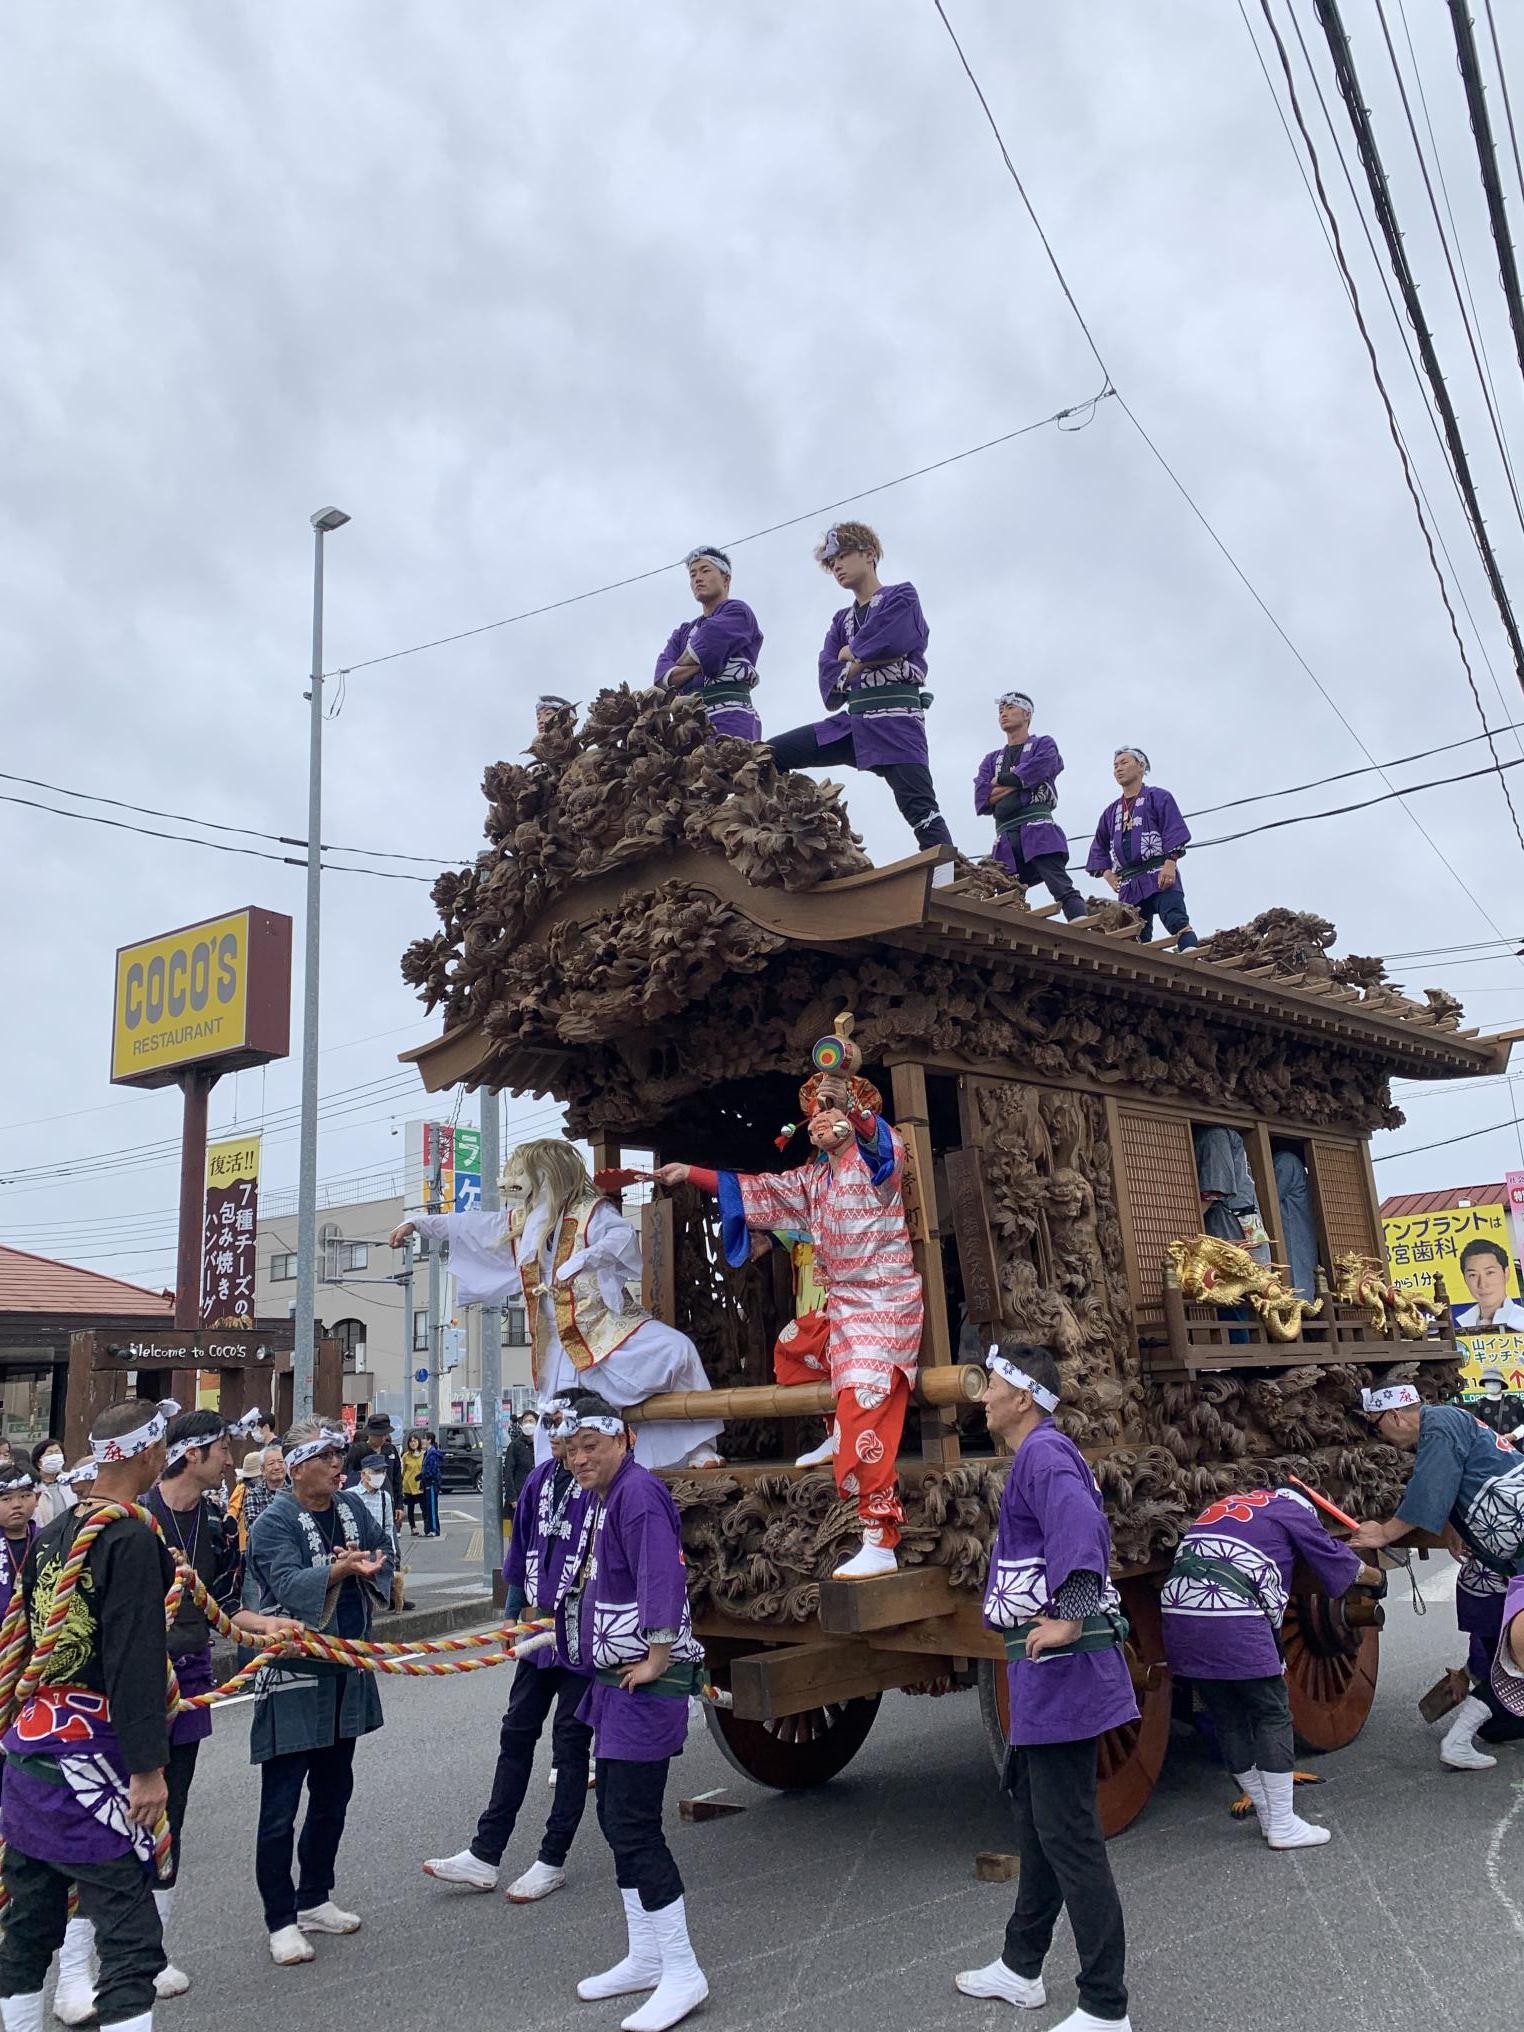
[(1158, 1163), (1349, 1219)]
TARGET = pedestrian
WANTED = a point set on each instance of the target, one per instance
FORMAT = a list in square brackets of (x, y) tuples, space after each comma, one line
[(1223, 1602), (412, 1478), (1469, 1480), (53, 1496), (319, 1557), (548, 1526), (518, 1459), (1138, 844), (1017, 785), (1498, 1407), (200, 1536), (376, 1438), (714, 658), (624, 1618), (872, 673), (1051, 1597), (429, 1478), (18, 1525), (374, 1491), (100, 1704)]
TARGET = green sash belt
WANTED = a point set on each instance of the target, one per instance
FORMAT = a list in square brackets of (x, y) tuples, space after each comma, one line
[(1097, 1633), (1033, 815), (730, 691), (676, 1683), (1195, 1566), (889, 697), (1127, 869)]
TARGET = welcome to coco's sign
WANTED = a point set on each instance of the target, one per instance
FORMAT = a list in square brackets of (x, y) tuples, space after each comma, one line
[(216, 993)]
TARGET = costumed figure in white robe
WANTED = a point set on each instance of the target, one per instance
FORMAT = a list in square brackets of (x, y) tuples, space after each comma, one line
[(568, 1252)]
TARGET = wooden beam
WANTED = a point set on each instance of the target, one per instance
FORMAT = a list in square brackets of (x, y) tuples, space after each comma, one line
[(850, 1607), (912, 1117), (769, 1685)]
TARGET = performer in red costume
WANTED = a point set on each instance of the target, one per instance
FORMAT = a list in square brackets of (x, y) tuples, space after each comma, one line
[(847, 1200)]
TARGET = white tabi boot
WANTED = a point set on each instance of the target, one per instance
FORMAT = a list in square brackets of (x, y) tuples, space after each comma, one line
[(702, 1456), (683, 1986), (328, 1918), (463, 1869), (1086, 2021), (1457, 1748), (21, 2014), (1287, 1829), (819, 1455), (875, 1559), (289, 1945), (537, 1882), (74, 1999), (170, 1981), (143, 2022), (1252, 1782), (641, 1967), (1002, 1985)]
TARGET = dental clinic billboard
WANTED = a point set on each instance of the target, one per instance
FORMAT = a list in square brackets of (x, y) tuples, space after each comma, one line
[(1474, 1252)]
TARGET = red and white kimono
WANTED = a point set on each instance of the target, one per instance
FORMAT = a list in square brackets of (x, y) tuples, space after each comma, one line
[(851, 1208)]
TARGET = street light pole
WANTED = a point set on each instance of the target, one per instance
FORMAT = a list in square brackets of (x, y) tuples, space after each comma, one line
[(326, 519), (492, 1355)]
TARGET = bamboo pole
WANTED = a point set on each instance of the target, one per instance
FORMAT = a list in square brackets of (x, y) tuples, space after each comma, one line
[(961, 1383)]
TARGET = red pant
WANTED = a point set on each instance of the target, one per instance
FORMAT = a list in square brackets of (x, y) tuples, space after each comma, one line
[(867, 1446)]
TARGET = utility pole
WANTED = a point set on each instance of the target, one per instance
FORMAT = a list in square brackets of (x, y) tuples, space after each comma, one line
[(492, 1357), (436, 1297), (405, 1280), (303, 1361)]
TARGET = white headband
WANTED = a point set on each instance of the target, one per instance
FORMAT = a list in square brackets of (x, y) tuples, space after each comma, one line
[(1390, 1397), (1015, 698), (82, 1471), (552, 1412), (249, 1421), (1132, 748), (332, 1438), (613, 1427), (1020, 1380), (707, 554), (105, 1452), (16, 1481)]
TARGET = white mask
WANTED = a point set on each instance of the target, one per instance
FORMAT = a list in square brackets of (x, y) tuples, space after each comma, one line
[(1492, 1390), (513, 1186), (53, 1462), (372, 1480)]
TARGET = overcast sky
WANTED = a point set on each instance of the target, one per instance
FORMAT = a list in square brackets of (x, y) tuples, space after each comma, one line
[(542, 295)]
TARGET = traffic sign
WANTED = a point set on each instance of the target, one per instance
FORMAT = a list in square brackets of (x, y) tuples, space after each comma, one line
[(420, 1375)]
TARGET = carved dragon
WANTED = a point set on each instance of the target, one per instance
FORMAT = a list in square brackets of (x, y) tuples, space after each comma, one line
[(1214, 1272)]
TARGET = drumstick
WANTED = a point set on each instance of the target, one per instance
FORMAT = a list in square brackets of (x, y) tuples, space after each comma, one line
[(618, 1177), (1332, 1509)]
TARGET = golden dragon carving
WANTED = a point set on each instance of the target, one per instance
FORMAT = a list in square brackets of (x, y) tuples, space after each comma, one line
[(1214, 1272), (1362, 1280)]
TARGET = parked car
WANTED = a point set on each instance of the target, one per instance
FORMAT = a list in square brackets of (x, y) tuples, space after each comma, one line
[(461, 1448)]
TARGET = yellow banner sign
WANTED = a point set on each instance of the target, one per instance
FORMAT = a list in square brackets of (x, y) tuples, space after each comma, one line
[(1470, 1250), (231, 1223), (181, 998)]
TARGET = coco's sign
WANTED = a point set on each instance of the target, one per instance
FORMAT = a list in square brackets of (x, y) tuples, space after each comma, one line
[(216, 993)]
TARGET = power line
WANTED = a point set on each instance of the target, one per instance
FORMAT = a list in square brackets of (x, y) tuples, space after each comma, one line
[(1444, 1143), (1486, 155), (216, 825), (1497, 57), (1185, 493), (1061, 418), (1271, 825)]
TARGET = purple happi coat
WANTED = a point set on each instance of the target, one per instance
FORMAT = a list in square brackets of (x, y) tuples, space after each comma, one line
[(1213, 1631), (726, 645), (1507, 1682), (1152, 829), (892, 636), (548, 1522), (1052, 1525), (631, 1583), (1034, 767)]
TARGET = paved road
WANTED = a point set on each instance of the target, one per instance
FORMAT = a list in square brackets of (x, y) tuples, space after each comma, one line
[(451, 1564), (848, 1909)]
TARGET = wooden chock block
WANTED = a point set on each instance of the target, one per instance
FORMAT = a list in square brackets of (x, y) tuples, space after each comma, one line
[(994, 1866), (708, 1806)]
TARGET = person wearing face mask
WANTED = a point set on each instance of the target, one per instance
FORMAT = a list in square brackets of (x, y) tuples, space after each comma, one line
[(548, 1528), (573, 1258), (1498, 1407), (1137, 848), (518, 1460), (53, 1496), (715, 657), (373, 1487)]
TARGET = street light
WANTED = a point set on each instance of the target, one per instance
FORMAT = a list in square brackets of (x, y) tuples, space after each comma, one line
[(325, 520)]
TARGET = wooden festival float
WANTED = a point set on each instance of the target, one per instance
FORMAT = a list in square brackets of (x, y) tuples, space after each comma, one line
[(658, 931)]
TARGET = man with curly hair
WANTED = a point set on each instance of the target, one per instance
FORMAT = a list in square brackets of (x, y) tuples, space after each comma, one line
[(872, 673)]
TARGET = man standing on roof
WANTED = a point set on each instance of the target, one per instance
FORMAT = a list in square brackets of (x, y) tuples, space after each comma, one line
[(1051, 1597), (872, 673), (715, 657), (1018, 786), (1137, 848), (1469, 1481)]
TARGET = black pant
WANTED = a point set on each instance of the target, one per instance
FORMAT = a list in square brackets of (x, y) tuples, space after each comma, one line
[(329, 1775), (1052, 872), (629, 1812), (1253, 1721), (431, 1509), (1168, 905), (1063, 1863), (116, 1897), (178, 1773), (536, 1689), (910, 782), (413, 1503)]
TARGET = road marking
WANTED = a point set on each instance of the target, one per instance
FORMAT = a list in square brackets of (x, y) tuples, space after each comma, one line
[(1495, 1850)]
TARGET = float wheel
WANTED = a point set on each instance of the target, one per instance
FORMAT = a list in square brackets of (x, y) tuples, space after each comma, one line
[(798, 1750), (1330, 1672)]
